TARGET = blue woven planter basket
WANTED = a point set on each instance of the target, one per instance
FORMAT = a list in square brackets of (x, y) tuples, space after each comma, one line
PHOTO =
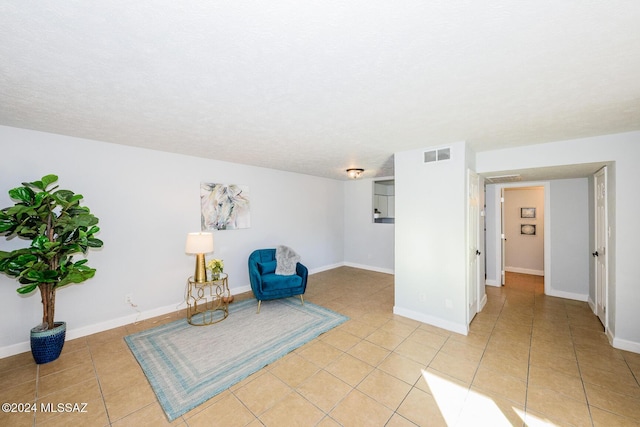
[(47, 345)]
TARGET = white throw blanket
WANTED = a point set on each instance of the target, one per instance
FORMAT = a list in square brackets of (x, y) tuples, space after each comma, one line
[(286, 260)]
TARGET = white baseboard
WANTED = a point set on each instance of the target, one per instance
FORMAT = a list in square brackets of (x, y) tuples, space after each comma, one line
[(567, 295), (524, 271), (240, 289), (491, 282), (483, 302), (96, 327), (12, 349), (369, 267), (610, 336), (621, 344), (326, 267), (431, 320), (592, 305)]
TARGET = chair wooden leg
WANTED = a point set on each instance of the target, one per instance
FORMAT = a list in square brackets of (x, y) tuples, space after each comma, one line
[(259, 302), (301, 299)]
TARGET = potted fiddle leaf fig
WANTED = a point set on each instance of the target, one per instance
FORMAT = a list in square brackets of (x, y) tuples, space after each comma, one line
[(58, 228)]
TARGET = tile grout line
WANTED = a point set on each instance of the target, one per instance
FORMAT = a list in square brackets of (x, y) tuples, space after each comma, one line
[(394, 411), (526, 390), (575, 353), (36, 394)]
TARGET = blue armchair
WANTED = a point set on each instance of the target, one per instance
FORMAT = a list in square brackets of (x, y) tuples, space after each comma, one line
[(267, 285)]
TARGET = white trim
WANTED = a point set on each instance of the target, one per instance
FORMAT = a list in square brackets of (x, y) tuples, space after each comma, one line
[(624, 344), (369, 267), (568, 295), (610, 336), (325, 268), (460, 328), (524, 271), (240, 289), (97, 327), (13, 349), (495, 283), (483, 302)]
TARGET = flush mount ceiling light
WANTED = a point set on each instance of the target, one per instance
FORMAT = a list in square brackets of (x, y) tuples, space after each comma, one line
[(354, 173)]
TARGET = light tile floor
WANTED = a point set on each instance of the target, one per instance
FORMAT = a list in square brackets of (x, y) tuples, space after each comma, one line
[(529, 359)]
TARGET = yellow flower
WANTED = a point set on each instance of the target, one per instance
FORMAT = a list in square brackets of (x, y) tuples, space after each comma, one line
[(215, 265)]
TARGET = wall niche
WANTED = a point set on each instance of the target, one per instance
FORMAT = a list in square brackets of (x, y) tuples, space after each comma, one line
[(384, 201)]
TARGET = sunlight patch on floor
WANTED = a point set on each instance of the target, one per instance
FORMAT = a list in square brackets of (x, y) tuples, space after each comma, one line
[(461, 406), (533, 421), (448, 395)]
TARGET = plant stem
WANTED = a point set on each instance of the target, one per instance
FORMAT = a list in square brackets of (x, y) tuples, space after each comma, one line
[(48, 293)]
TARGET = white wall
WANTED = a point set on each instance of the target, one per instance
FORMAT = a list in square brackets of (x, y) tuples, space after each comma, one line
[(570, 238), (147, 202), (367, 244), (524, 253), (430, 254), (624, 269)]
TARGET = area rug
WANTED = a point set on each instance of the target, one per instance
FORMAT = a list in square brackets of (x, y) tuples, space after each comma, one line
[(187, 365)]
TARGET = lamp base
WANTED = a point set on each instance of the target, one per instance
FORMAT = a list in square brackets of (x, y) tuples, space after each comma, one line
[(200, 275)]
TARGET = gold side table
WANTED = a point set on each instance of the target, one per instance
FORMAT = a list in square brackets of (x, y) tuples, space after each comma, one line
[(208, 302)]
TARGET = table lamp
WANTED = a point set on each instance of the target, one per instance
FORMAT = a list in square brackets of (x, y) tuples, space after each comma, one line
[(199, 244)]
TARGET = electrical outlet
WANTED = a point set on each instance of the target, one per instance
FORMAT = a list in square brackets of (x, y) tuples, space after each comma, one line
[(128, 299)]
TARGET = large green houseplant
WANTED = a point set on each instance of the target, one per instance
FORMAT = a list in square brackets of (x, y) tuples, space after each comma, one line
[(58, 228)]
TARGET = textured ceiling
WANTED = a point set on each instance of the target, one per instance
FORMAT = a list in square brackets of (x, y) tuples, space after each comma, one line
[(317, 87)]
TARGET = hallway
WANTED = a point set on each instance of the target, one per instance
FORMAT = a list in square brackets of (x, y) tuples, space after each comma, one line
[(559, 349)]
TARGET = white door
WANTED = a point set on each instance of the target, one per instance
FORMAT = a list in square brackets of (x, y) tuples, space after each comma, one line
[(503, 237), (473, 252), (600, 253)]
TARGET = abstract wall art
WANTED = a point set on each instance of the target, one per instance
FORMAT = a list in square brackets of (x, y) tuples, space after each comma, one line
[(224, 206)]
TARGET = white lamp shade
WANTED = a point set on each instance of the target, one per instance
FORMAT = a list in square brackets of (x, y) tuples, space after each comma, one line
[(199, 243)]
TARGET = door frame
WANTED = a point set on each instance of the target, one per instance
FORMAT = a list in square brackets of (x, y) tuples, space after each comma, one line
[(547, 227)]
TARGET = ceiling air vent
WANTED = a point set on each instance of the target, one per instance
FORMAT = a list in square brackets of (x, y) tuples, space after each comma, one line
[(503, 178), (437, 155)]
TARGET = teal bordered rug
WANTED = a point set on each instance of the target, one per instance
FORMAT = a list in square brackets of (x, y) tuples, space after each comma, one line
[(187, 365)]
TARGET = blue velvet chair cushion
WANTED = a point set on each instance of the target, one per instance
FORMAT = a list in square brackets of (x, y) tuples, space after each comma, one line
[(268, 267), (272, 282)]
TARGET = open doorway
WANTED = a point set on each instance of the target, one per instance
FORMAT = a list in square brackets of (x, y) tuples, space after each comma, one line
[(570, 209), (495, 235), (523, 231)]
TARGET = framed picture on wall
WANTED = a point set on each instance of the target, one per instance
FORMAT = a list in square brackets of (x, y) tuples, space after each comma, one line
[(224, 206), (527, 212), (528, 229)]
